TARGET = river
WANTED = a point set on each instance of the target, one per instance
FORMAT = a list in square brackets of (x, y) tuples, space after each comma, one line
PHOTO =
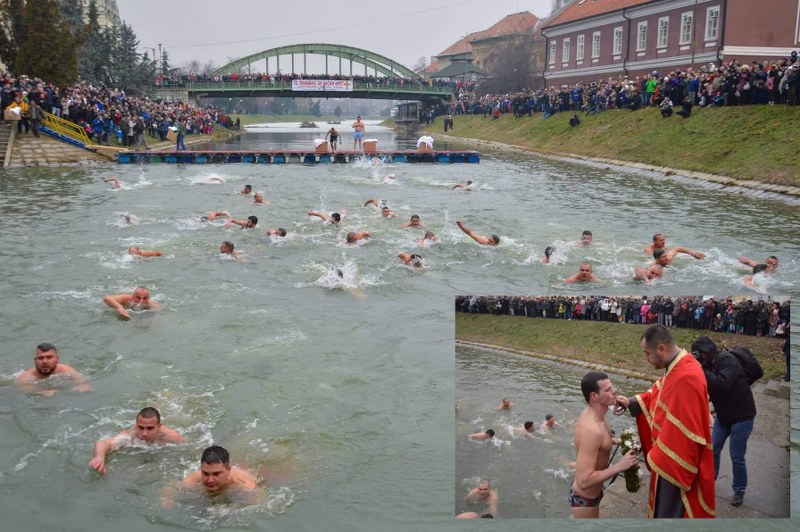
[(340, 388)]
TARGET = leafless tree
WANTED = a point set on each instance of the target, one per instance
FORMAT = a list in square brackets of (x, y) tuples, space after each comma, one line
[(515, 65)]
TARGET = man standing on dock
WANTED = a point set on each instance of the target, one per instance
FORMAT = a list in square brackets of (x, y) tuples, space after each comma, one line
[(359, 128)]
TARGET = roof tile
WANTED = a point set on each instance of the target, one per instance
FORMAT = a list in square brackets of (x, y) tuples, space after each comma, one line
[(580, 9)]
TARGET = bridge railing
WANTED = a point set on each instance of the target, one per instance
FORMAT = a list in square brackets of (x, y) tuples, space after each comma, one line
[(280, 86)]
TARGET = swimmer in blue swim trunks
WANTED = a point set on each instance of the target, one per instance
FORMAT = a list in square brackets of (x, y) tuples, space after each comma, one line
[(593, 446), (359, 128)]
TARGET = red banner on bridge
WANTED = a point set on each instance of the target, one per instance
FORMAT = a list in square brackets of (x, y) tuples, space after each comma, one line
[(330, 85)]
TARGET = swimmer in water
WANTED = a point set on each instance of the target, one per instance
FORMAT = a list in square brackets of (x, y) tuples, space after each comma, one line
[(771, 263), (258, 199), (353, 236), (375, 202), (246, 190), (548, 251), (46, 364), (484, 494), (465, 186), (251, 222), (146, 429), (276, 232), (493, 240), (482, 436), (428, 239), (213, 215), (138, 300), (748, 280), (227, 248), (388, 178), (333, 219), (145, 253), (216, 475), (412, 259), (414, 222), (654, 270), (550, 421), (586, 238), (506, 404), (386, 212), (115, 180), (525, 430), (660, 242), (584, 275)]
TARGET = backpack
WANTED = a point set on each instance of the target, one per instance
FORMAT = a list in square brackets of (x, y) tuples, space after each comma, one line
[(752, 369)]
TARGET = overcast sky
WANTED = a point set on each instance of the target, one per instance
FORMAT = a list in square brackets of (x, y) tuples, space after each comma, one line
[(221, 30)]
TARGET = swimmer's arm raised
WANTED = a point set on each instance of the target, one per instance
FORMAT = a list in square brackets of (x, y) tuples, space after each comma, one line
[(749, 262), (318, 214), (680, 249)]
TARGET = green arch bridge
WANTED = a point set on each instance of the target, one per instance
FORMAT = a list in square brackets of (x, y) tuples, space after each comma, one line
[(390, 79)]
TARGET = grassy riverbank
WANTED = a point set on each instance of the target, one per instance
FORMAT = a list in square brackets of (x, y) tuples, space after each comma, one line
[(612, 344), (753, 142)]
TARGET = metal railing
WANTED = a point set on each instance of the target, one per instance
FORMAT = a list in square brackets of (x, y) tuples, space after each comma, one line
[(280, 86), (66, 128)]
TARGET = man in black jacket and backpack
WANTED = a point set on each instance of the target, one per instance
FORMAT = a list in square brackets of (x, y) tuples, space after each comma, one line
[(735, 408)]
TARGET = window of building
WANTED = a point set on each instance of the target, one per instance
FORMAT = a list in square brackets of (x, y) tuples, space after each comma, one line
[(663, 32), (712, 23), (579, 48), (596, 44), (641, 36), (552, 59), (618, 40), (686, 28), (565, 51)]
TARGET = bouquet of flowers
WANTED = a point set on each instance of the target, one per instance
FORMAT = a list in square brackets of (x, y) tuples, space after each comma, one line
[(630, 441)]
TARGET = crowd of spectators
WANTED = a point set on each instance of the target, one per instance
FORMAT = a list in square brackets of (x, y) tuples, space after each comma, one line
[(754, 318), (108, 115), (728, 84)]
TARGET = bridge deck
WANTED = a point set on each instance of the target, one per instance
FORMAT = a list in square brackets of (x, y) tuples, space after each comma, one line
[(295, 156)]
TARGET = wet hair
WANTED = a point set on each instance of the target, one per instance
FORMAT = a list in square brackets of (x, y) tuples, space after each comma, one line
[(429, 234), (496, 239), (336, 217), (657, 334), (469, 181), (704, 344), (490, 432), (339, 273), (351, 237), (149, 413), (586, 233), (253, 220), (281, 231), (773, 257), (416, 260), (228, 245), (415, 216), (548, 417), (758, 268), (44, 347), (657, 253), (589, 383), (215, 455), (655, 236), (549, 251), (141, 288), (487, 516), (527, 424), (248, 187)]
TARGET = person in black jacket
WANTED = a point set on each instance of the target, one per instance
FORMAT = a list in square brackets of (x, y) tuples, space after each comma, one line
[(735, 408)]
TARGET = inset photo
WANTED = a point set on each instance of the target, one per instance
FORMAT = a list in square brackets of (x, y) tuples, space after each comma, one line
[(622, 406)]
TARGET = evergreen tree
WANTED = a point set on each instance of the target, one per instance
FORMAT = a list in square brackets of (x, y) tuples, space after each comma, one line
[(12, 29), (94, 59), (164, 63), (47, 49), (72, 13)]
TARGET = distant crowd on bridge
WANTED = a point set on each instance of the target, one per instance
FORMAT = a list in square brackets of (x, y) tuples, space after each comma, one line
[(108, 115), (377, 81), (753, 318), (729, 84)]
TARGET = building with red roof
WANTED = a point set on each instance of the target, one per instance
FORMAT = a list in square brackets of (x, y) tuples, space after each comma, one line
[(588, 40)]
